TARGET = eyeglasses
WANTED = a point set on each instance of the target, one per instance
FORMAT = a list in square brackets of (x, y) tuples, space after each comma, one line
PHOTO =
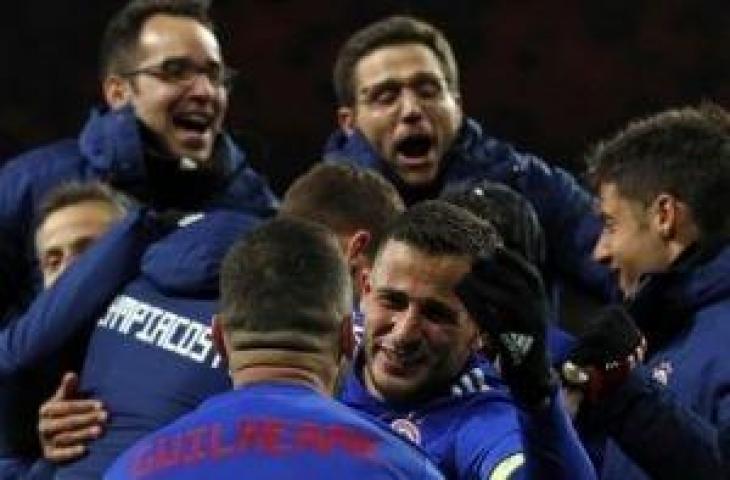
[(183, 71)]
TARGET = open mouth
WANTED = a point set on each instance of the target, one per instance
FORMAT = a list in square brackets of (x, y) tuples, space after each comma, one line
[(194, 122), (414, 147)]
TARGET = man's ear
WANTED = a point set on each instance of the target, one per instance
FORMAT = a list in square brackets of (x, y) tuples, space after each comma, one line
[(666, 213), (357, 260), (346, 120), (116, 91), (356, 246), (347, 337), (364, 281), (219, 337)]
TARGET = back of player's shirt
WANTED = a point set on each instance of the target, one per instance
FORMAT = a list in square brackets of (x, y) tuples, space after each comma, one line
[(273, 431), (151, 356)]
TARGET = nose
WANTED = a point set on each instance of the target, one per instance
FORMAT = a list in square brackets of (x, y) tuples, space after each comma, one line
[(407, 326), (202, 86), (601, 251), (411, 109)]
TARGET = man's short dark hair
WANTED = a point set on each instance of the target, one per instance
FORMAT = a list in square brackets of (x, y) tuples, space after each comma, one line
[(72, 193), (684, 152), (395, 30), (436, 227), (344, 198), (121, 37), (508, 211), (286, 277)]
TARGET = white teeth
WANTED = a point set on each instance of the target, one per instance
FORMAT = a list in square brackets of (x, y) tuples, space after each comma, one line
[(406, 358)]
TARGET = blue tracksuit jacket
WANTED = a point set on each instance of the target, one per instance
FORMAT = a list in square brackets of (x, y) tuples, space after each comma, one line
[(671, 417), (29, 362), (151, 356), (273, 430), (111, 148), (482, 435), (565, 209)]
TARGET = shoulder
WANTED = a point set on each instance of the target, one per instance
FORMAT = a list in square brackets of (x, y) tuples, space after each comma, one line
[(44, 160), (25, 179), (488, 442)]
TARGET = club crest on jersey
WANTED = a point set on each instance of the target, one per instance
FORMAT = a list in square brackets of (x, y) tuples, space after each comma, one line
[(662, 371), (406, 428)]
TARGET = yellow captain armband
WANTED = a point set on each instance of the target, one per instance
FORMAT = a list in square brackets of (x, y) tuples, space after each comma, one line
[(508, 466)]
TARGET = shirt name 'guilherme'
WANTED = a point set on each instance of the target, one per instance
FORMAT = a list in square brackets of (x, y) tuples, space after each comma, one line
[(163, 329)]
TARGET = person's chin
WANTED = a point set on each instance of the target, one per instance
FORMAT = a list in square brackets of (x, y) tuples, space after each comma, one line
[(628, 287), (394, 381), (395, 388), (197, 146), (421, 176), (200, 153)]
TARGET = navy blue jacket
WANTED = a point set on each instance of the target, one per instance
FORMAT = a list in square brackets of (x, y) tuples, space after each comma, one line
[(673, 415), (151, 356), (481, 435), (55, 318), (564, 208), (111, 148), (273, 430)]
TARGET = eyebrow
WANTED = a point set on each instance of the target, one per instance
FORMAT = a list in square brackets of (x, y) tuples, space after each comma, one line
[(390, 291), (439, 306), (381, 85), (395, 83)]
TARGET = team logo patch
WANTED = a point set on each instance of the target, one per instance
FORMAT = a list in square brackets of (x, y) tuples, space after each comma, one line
[(662, 371), (406, 428), (518, 345)]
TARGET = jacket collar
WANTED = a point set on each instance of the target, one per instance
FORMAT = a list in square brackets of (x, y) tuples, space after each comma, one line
[(113, 143), (667, 301), (467, 153)]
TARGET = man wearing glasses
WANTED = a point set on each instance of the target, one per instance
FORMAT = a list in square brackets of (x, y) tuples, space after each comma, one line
[(159, 138)]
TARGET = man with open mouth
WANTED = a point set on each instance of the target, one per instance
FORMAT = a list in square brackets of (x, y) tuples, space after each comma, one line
[(401, 113), (158, 137)]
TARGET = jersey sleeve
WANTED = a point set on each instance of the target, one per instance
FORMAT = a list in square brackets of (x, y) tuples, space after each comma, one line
[(488, 444), (498, 443), (77, 297), (641, 413)]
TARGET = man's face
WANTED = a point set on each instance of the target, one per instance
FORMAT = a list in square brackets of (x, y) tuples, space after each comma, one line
[(68, 232), (630, 243), (418, 334), (186, 116), (405, 110)]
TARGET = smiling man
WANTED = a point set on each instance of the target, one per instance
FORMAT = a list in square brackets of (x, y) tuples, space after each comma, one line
[(663, 187), (159, 137), (423, 303)]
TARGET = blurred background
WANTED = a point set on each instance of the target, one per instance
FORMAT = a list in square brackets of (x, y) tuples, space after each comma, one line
[(552, 77)]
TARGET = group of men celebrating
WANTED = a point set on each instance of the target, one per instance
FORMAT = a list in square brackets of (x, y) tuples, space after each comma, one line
[(414, 275)]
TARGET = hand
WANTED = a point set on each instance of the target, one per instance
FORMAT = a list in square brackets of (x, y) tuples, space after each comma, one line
[(506, 297), (66, 423), (605, 354)]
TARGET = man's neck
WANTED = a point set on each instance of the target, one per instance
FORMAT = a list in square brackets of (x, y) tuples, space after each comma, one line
[(253, 366)]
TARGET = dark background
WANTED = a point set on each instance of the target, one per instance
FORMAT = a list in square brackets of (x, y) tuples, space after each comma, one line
[(550, 76)]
